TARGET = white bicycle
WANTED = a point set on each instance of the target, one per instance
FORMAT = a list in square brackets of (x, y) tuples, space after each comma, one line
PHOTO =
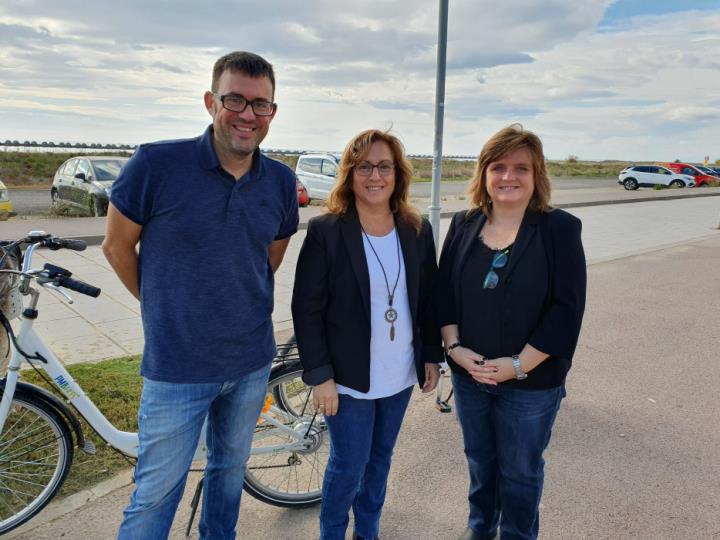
[(39, 429)]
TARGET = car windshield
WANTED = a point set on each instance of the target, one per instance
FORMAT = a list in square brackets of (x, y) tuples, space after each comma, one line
[(108, 169)]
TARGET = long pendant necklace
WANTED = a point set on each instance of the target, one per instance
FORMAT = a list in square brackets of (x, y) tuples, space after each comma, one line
[(390, 312)]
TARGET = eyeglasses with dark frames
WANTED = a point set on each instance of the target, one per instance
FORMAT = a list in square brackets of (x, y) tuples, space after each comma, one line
[(365, 168), (238, 103), (500, 259)]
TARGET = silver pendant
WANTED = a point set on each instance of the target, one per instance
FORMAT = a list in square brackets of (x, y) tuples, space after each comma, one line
[(391, 317)]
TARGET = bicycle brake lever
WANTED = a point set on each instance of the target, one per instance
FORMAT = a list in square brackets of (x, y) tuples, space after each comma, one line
[(51, 285)]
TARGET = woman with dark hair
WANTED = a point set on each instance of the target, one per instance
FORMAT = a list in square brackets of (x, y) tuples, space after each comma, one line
[(365, 324), (511, 297)]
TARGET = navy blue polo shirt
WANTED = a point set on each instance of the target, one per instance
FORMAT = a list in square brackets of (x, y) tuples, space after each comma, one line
[(206, 286)]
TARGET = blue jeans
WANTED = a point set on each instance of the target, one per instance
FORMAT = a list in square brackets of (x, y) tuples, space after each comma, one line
[(506, 431), (362, 439), (170, 419)]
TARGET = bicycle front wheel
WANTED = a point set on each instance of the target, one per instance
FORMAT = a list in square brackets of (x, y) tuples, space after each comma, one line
[(36, 452), (290, 447)]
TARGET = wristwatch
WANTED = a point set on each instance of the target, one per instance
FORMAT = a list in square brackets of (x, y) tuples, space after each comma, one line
[(519, 373), (449, 348)]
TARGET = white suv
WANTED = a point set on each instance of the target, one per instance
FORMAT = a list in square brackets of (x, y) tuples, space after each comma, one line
[(317, 173), (652, 175)]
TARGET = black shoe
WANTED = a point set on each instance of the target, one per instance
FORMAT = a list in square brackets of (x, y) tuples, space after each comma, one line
[(470, 534), (356, 537)]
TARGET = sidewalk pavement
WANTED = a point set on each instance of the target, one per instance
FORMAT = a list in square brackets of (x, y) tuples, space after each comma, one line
[(634, 453)]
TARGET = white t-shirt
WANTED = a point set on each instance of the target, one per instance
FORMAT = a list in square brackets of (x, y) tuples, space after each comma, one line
[(392, 367)]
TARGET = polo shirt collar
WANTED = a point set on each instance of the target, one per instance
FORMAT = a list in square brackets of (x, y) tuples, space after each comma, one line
[(210, 161)]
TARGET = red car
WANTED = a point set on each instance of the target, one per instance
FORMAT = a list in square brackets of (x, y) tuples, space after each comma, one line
[(701, 178), (303, 197)]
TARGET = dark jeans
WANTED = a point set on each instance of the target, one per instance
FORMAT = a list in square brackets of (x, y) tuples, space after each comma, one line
[(505, 431), (362, 439)]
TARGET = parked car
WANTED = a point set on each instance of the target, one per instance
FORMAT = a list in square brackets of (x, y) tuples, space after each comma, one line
[(317, 173), (85, 182), (303, 197), (652, 175), (701, 178), (6, 207), (708, 170)]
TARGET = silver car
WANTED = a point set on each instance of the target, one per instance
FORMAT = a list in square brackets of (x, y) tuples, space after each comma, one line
[(316, 172), (85, 182)]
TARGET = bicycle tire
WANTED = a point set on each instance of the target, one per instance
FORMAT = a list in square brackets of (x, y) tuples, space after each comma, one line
[(287, 352), (289, 479), (36, 452)]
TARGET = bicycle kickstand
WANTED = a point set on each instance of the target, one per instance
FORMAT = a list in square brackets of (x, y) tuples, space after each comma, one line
[(441, 404), (194, 505)]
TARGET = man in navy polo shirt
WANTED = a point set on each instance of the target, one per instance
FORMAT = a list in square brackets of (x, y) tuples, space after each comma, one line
[(195, 230)]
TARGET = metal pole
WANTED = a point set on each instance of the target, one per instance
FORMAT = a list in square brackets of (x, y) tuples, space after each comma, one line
[(434, 207)]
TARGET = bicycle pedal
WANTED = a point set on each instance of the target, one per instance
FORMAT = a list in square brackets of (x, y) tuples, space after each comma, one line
[(443, 406), (89, 448)]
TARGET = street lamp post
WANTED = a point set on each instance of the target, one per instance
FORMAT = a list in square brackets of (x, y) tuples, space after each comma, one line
[(434, 208)]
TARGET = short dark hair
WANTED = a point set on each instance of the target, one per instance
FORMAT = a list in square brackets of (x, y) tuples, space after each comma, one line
[(250, 64)]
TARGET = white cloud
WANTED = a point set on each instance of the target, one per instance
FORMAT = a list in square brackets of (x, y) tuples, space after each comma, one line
[(642, 89)]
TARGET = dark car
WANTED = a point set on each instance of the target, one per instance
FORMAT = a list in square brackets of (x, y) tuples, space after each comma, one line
[(85, 182)]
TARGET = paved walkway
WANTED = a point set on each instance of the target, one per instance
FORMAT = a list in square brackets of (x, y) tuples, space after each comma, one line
[(110, 326), (634, 452)]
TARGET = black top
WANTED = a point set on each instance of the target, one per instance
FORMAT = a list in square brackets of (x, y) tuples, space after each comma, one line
[(539, 299), (481, 326), (331, 300)]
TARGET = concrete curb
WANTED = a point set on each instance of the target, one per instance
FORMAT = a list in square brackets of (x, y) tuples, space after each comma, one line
[(73, 502)]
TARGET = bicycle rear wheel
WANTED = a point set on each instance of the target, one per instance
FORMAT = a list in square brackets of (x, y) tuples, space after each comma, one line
[(287, 463), (36, 451)]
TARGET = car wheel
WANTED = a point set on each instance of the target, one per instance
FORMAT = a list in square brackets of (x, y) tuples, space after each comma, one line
[(54, 196), (630, 184), (677, 184)]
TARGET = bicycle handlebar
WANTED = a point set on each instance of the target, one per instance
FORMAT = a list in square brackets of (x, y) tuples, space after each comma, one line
[(78, 286), (50, 274), (67, 243)]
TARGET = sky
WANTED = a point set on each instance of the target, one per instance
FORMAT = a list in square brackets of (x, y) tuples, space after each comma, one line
[(635, 80)]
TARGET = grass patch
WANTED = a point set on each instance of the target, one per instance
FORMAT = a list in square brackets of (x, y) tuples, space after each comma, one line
[(36, 169), (114, 386)]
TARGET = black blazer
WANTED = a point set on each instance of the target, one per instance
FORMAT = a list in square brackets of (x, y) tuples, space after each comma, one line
[(544, 290), (331, 300)]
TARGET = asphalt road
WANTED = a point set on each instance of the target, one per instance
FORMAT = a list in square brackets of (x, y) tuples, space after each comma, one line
[(30, 202), (36, 202)]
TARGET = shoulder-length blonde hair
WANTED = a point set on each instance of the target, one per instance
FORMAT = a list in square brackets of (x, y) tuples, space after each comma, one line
[(504, 142), (342, 197)]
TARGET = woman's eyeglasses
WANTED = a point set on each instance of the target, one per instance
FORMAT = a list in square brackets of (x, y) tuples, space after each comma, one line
[(365, 168), (500, 259)]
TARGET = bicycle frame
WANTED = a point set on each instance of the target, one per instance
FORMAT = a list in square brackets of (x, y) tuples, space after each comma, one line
[(125, 442)]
